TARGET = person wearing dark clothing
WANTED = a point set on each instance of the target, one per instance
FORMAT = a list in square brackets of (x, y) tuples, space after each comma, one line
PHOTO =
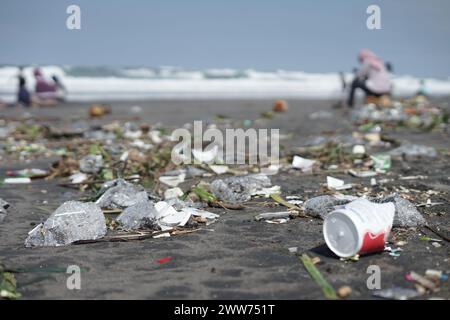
[(23, 95)]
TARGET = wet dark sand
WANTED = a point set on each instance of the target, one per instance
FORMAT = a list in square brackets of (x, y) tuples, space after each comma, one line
[(238, 258)]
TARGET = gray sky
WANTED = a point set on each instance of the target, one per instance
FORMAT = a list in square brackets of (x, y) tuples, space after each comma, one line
[(314, 35)]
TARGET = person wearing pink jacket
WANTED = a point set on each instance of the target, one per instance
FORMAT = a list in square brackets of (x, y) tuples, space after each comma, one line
[(372, 77)]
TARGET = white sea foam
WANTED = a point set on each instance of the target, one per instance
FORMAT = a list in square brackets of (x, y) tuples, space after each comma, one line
[(94, 84)]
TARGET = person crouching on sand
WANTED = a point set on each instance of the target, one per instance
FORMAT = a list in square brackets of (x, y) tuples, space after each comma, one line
[(372, 77)]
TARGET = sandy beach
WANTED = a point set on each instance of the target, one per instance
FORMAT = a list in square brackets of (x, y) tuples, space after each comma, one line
[(236, 257)]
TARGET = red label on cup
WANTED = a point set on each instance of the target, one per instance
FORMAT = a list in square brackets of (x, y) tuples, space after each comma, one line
[(373, 243)]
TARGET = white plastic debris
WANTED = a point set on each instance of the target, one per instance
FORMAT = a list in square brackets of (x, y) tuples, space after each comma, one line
[(162, 235), (359, 149), (272, 215), (278, 221), (337, 184), (207, 156), (173, 193), (155, 136), (219, 169), (200, 213), (302, 163), (270, 170), (362, 174), (78, 177), (168, 216), (124, 156), (267, 192), (25, 180), (72, 221), (172, 181)]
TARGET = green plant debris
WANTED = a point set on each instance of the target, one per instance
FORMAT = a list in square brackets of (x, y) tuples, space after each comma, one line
[(280, 200), (203, 194), (8, 285), (327, 289)]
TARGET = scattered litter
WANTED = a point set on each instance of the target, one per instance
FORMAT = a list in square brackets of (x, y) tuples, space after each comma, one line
[(321, 206), (162, 235), (436, 244), (78, 177), (25, 180), (354, 258), (270, 170), (164, 260), (327, 289), (71, 222), (30, 173), (169, 217), (393, 252), (272, 215), (280, 200), (344, 292), (120, 194), (207, 156), (359, 227), (278, 221), (91, 163), (293, 249), (422, 281), (141, 215), (239, 189), (381, 162), (362, 174), (396, 293), (359, 149), (337, 184), (8, 285), (436, 274), (172, 181), (200, 213), (219, 169), (173, 193), (406, 214), (303, 164), (280, 106)]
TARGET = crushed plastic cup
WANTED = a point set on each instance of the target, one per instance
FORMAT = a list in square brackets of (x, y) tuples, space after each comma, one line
[(359, 227)]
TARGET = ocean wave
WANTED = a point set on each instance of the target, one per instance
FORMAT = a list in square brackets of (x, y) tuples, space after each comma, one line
[(130, 83)]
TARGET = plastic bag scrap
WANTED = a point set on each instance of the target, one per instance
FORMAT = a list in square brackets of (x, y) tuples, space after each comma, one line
[(71, 222), (91, 163), (239, 189), (120, 194)]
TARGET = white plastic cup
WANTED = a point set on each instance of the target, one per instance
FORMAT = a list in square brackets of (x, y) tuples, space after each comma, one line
[(359, 227)]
